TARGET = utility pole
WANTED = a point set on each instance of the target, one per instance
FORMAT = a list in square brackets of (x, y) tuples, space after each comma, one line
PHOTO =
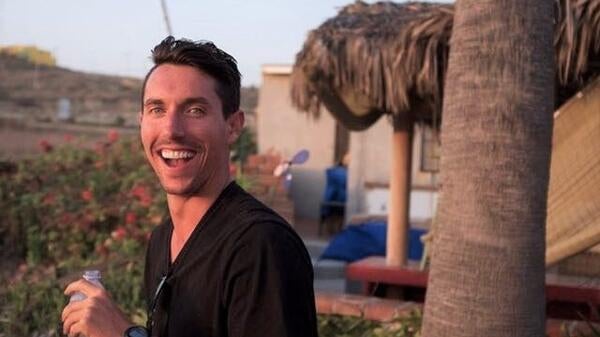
[(163, 5)]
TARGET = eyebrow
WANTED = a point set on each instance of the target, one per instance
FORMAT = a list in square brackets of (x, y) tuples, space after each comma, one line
[(153, 101), (187, 101)]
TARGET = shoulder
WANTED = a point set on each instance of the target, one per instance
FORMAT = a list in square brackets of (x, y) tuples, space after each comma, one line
[(268, 252), (272, 242), (259, 224), (259, 228), (249, 228), (256, 211)]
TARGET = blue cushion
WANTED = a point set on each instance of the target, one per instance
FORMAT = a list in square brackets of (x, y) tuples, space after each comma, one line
[(369, 239), (415, 246), (335, 188)]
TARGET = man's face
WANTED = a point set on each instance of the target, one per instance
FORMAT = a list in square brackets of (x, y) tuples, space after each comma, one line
[(185, 136)]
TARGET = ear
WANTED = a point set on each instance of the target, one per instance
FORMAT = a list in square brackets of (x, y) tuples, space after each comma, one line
[(235, 124), (140, 117)]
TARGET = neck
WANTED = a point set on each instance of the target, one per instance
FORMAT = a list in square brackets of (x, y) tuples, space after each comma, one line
[(187, 210)]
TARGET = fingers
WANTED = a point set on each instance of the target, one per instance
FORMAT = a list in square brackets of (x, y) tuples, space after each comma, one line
[(77, 315), (84, 286), (73, 322), (76, 330), (70, 308)]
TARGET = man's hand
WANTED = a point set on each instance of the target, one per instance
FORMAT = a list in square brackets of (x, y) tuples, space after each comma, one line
[(95, 316)]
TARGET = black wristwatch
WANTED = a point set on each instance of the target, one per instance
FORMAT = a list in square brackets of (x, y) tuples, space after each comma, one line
[(136, 331)]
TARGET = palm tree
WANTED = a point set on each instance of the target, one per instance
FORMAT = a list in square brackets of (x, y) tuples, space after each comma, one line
[(487, 271)]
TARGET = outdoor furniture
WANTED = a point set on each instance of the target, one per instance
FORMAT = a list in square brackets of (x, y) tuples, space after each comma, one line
[(333, 206), (572, 223), (566, 296)]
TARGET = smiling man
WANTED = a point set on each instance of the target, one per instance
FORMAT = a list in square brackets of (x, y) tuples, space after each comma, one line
[(222, 264)]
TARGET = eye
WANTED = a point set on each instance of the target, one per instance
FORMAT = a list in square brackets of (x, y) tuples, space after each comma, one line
[(155, 110), (196, 111)]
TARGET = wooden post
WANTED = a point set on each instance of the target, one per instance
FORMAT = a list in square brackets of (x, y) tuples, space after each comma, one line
[(399, 197)]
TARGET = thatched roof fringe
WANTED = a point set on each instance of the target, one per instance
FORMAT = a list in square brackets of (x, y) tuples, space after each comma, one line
[(385, 76), (396, 54), (577, 36)]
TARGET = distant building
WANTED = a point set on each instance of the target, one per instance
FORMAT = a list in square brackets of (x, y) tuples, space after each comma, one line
[(282, 128), (32, 54)]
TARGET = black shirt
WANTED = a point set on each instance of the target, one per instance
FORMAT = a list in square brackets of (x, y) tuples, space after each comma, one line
[(242, 272)]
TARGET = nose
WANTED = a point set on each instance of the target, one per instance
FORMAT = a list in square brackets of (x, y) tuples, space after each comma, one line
[(174, 127)]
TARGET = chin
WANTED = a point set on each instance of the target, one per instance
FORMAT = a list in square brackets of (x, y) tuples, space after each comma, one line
[(180, 191), (187, 189)]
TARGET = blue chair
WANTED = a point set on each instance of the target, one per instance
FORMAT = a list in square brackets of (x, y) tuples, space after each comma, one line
[(333, 206)]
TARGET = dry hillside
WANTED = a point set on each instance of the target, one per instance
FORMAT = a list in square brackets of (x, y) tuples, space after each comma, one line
[(34, 91)]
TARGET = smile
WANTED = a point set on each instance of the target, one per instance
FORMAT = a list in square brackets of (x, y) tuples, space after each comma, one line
[(175, 158)]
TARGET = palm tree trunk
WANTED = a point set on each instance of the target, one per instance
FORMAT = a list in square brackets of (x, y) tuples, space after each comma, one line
[(487, 271)]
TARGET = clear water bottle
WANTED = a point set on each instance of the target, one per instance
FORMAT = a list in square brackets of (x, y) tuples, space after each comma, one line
[(92, 276)]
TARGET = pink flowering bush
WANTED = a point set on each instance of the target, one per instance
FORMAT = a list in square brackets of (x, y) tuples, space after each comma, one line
[(70, 209), (64, 206)]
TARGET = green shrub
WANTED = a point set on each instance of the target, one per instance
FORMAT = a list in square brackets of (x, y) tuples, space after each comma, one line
[(34, 307), (63, 206), (71, 209), (244, 146), (30, 308), (349, 326)]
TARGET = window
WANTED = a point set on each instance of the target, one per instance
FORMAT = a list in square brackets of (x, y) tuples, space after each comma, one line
[(430, 150)]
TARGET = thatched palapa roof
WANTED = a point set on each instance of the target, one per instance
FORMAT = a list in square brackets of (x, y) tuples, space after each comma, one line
[(391, 58)]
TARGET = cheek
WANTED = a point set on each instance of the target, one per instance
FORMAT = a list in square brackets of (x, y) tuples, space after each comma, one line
[(146, 137), (211, 135)]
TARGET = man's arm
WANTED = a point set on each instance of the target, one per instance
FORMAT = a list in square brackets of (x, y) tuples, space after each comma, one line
[(95, 316), (269, 286)]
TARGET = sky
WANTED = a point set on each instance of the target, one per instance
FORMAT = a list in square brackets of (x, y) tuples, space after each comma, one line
[(116, 36)]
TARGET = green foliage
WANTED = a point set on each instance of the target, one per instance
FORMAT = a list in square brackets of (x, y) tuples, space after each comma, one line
[(348, 326), (345, 326), (124, 282), (72, 209), (63, 206), (589, 330), (244, 146), (31, 308)]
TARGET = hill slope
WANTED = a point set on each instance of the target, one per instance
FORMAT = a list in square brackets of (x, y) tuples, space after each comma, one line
[(34, 91)]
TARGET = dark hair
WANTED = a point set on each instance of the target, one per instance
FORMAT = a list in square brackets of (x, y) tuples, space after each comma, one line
[(204, 56)]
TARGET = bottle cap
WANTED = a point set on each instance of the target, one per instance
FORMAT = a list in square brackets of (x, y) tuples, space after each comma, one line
[(92, 275)]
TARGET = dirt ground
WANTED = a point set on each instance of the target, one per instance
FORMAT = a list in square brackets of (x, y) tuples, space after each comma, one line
[(21, 141)]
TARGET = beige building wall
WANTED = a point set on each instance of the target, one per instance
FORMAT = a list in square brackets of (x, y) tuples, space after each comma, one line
[(283, 129), (369, 174), (286, 130)]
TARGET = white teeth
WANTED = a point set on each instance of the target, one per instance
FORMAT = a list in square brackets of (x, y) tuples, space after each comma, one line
[(169, 154)]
